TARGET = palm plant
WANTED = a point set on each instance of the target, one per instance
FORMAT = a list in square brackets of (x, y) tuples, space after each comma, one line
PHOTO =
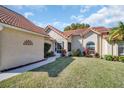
[(117, 34)]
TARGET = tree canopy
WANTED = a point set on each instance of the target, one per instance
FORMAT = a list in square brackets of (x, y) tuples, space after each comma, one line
[(75, 26)]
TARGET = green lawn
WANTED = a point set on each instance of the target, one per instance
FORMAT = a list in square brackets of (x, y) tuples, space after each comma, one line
[(71, 72)]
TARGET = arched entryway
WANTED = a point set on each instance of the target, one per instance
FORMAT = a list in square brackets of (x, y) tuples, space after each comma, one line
[(91, 47)]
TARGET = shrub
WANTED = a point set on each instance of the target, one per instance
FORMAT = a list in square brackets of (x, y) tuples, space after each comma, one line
[(86, 52), (50, 54), (63, 52), (108, 57), (97, 55), (121, 58), (77, 53), (115, 58), (89, 56), (70, 54), (46, 49)]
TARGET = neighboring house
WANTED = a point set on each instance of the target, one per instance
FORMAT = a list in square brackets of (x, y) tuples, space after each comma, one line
[(93, 38), (21, 42)]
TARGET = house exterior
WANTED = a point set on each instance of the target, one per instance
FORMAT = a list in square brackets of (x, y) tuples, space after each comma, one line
[(93, 38), (21, 42)]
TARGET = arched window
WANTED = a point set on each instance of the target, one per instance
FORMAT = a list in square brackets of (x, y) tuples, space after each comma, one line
[(27, 42), (91, 47)]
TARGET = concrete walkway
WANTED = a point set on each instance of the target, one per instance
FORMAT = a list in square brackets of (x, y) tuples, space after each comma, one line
[(11, 73)]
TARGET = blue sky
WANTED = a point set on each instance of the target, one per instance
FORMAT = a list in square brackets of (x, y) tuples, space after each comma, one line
[(61, 16)]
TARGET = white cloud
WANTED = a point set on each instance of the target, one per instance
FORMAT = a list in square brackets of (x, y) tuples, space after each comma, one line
[(40, 24), (60, 25), (108, 15), (77, 18), (56, 23), (85, 8), (27, 14)]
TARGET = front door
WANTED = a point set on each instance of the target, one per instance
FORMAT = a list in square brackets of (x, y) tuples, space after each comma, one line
[(59, 47)]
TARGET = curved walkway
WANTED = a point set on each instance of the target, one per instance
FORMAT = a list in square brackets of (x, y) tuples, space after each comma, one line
[(11, 73)]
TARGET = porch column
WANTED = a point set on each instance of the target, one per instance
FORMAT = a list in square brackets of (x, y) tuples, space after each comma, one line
[(98, 44), (82, 41), (101, 47)]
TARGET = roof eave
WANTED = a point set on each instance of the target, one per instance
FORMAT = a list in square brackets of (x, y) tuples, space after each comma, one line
[(23, 30)]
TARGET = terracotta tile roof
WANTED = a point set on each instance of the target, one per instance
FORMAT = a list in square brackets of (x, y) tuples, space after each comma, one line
[(75, 32), (100, 29), (66, 34), (12, 18)]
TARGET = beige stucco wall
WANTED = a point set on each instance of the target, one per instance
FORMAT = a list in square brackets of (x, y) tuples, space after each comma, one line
[(115, 50), (0, 46), (77, 42), (91, 37), (107, 48), (14, 53), (58, 38)]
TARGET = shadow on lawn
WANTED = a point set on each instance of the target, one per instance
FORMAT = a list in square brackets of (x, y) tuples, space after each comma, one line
[(56, 67)]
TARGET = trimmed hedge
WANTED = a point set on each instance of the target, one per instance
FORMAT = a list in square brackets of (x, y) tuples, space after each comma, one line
[(121, 58), (50, 54), (97, 55), (114, 58), (108, 57), (77, 53)]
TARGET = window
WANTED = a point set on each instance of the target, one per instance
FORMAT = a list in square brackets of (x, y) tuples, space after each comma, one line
[(59, 47), (27, 42), (121, 49), (69, 46), (91, 47)]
